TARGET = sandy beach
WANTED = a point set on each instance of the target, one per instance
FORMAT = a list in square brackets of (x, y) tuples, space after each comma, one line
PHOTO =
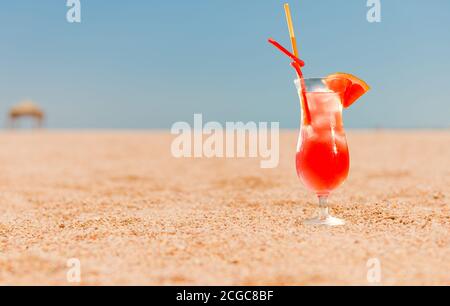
[(132, 214)]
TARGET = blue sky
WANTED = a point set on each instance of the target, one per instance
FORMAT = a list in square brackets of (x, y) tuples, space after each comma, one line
[(148, 64)]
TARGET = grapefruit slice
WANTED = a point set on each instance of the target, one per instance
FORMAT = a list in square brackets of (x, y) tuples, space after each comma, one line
[(355, 87)]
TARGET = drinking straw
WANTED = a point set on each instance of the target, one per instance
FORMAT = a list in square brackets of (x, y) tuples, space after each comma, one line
[(297, 69), (296, 66), (291, 28), (285, 51), (303, 92)]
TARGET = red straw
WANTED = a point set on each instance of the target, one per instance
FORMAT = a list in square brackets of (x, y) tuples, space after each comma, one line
[(297, 69), (285, 51), (303, 92), (297, 64)]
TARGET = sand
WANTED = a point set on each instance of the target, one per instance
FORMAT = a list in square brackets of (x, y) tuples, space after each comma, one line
[(132, 214)]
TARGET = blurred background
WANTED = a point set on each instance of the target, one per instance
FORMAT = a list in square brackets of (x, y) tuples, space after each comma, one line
[(152, 63)]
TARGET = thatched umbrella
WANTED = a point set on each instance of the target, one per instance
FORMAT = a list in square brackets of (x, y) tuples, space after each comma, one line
[(26, 109)]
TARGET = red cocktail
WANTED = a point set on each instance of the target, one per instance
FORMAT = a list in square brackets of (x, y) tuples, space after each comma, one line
[(322, 158), (322, 153)]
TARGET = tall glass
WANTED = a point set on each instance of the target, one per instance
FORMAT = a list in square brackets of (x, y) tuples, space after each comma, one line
[(322, 158)]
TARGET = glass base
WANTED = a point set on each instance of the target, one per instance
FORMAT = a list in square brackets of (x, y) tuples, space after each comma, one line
[(324, 217), (328, 221)]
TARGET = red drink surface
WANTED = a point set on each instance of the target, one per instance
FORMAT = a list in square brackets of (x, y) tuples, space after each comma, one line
[(322, 157)]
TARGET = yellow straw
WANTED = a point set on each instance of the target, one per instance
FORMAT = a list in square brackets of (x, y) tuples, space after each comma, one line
[(291, 29)]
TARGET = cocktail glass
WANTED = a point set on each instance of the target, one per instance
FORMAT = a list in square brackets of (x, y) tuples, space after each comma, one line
[(322, 158)]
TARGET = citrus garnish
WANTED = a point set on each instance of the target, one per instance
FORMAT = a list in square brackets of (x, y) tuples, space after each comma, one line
[(354, 90)]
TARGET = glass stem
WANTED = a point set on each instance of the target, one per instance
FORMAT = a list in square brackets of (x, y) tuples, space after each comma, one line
[(324, 210)]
